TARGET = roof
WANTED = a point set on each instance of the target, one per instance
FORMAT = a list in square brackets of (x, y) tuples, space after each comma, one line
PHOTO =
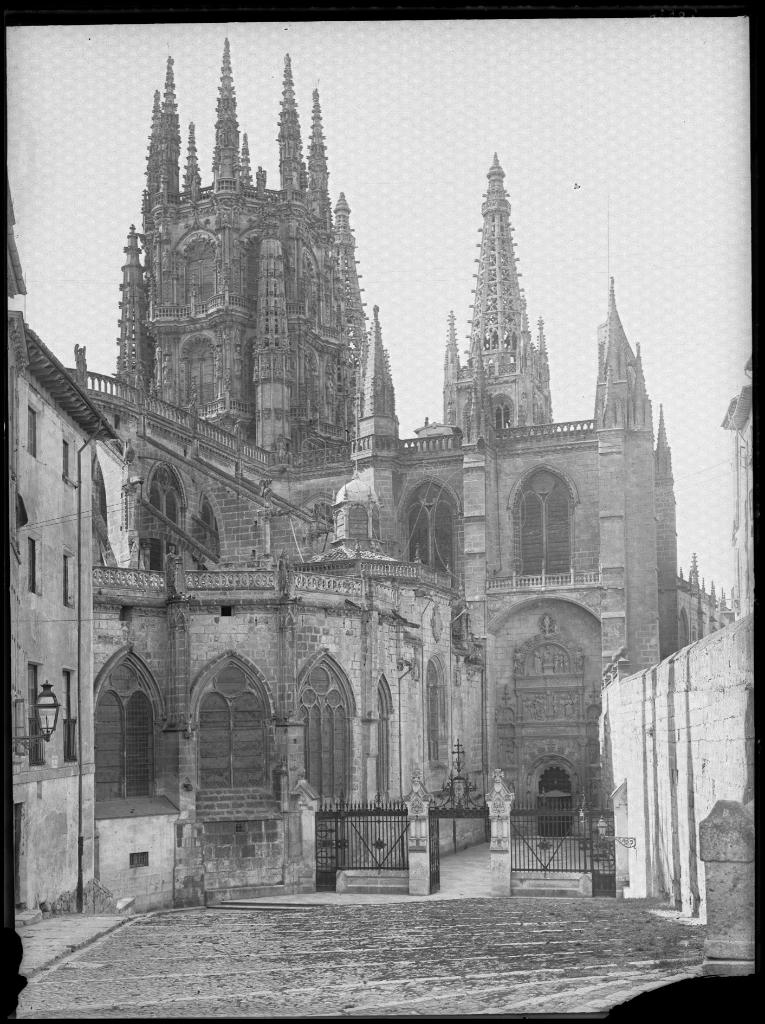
[(346, 553), (356, 490), (739, 409), (135, 807), (62, 386)]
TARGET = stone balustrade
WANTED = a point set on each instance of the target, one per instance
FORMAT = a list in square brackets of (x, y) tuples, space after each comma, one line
[(568, 429), (314, 582), (144, 581), (430, 445), (544, 581), (250, 579)]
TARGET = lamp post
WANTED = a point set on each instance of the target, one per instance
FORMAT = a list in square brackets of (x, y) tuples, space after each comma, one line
[(46, 711)]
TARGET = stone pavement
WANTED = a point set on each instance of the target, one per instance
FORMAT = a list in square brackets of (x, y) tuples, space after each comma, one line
[(462, 953), (52, 938)]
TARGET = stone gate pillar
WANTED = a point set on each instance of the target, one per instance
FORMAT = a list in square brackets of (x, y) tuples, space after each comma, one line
[(500, 801), (726, 845), (300, 837), (418, 836)]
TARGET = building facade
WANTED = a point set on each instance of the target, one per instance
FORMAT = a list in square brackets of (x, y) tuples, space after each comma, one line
[(286, 590)]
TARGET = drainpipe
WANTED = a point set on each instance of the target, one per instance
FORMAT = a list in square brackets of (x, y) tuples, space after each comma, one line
[(80, 837), (400, 753)]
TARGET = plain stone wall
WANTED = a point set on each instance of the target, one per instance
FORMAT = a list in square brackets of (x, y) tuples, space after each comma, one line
[(152, 886), (470, 832), (681, 735)]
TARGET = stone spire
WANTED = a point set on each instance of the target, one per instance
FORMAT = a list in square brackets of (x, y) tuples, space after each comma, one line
[(153, 158), (345, 252), (451, 372), (246, 170), (226, 153), (621, 399), (292, 169), (132, 362), (192, 181), (377, 393), (693, 572), (663, 453), (318, 175), (170, 137)]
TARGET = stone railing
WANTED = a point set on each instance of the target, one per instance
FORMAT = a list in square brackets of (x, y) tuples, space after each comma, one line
[(544, 581), (429, 445), (388, 570), (144, 581), (179, 311), (218, 579), (371, 443), (571, 428), (326, 584), (102, 384)]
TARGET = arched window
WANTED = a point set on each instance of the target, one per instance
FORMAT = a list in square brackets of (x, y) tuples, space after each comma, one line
[(164, 495), (209, 530), (199, 359), (430, 522), (436, 714), (384, 708), (503, 414), (498, 418), (200, 271), (124, 738), (543, 525), (326, 715), (234, 740)]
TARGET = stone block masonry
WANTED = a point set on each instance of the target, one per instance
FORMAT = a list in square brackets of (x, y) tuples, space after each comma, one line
[(681, 737)]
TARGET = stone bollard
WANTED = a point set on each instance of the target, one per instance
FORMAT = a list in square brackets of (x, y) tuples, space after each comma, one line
[(726, 845), (500, 802), (418, 836)]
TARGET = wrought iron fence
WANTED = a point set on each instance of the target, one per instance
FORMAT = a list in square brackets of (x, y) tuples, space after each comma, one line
[(434, 851), (555, 836), (359, 837)]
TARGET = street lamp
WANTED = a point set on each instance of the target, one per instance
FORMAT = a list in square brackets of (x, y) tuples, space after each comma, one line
[(601, 826), (46, 715)]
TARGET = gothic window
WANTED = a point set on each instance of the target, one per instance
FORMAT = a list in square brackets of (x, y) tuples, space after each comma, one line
[(326, 714), (430, 522), (543, 525), (375, 523), (384, 711), (164, 495), (436, 714), (200, 271), (124, 738), (209, 531), (503, 414), (233, 734), (99, 491)]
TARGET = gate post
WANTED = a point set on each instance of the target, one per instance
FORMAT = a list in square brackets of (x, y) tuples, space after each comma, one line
[(500, 803), (726, 841), (300, 838), (418, 837)]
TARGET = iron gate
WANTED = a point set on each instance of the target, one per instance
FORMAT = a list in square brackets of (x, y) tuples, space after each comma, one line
[(352, 837), (434, 850), (556, 837)]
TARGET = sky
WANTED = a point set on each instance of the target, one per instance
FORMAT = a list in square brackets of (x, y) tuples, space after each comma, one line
[(625, 144)]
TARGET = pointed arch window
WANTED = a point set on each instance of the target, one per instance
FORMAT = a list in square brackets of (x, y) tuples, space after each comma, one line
[(234, 737), (210, 537), (165, 496), (436, 713), (384, 711), (683, 629), (200, 272), (326, 713), (431, 524), (124, 738), (542, 516)]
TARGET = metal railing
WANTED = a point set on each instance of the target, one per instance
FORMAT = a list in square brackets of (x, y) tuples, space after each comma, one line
[(360, 837)]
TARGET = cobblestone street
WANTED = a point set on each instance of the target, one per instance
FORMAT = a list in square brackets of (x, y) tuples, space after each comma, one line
[(444, 957)]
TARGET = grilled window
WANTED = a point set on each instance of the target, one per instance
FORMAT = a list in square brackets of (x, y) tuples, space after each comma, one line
[(124, 739), (36, 742), (70, 719), (140, 859), (66, 580), (32, 564), (65, 458)]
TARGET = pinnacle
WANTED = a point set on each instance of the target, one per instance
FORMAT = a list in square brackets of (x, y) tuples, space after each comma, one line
[(342, 204), (495, 171)]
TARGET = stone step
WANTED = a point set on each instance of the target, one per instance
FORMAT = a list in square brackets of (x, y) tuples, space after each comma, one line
[(371, 882)]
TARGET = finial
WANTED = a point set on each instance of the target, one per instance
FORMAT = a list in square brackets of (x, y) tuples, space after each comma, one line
[(246, 170), (192, 180), (495, 171)]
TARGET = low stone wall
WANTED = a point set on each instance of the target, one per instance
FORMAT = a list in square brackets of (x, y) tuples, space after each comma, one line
[(242, 853), (469, 831), (675, 739), (154, 835)]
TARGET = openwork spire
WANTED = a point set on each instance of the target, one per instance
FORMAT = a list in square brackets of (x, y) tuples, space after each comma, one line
[(192, 182), (377, 394), (663, 453), (170, 136), (345, 251), (292, 169), (153, 157), (132, 360), (318, 175), (226, 153), (621, 399), (245, 169), (693, 572)]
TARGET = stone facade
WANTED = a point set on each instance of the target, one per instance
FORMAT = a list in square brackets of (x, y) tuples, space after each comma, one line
[(286, 592), (677, 738)]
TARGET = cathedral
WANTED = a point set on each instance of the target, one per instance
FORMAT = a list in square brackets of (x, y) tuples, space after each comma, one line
[(287, 592)]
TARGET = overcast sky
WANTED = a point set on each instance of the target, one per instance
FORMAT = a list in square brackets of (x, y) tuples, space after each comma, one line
[(648, 117)]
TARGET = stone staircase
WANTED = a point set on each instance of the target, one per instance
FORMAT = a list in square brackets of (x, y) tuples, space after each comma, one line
[(551, 883)]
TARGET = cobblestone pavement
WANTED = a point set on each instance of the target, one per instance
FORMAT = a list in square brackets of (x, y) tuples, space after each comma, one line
[(502, 955)]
